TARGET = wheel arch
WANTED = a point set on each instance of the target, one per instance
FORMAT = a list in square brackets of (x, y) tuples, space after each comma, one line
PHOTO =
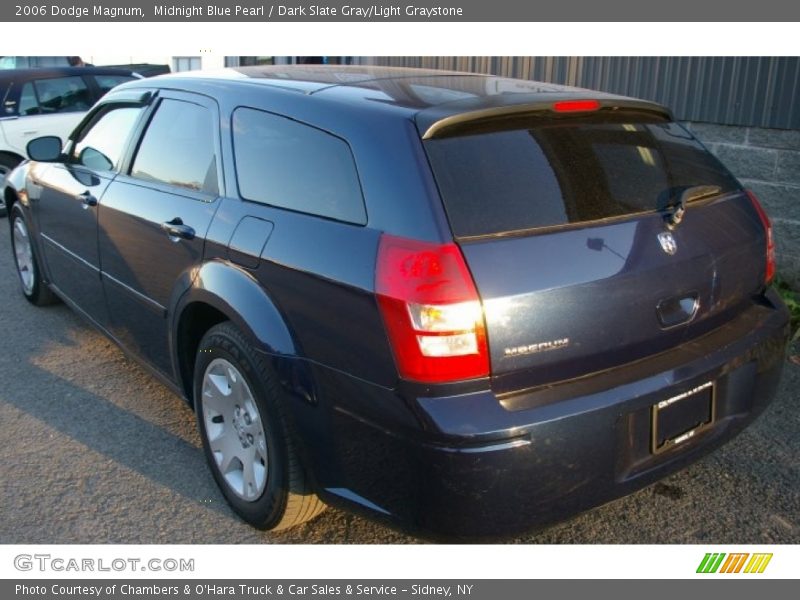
[(223, 292), (9, 197), (10, 193), (13, 156)]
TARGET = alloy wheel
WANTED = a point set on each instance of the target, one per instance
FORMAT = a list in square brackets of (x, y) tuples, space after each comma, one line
[(234, 429), (23, 253)]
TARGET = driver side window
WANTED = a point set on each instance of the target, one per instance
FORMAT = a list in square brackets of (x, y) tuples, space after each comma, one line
[(101, 146)]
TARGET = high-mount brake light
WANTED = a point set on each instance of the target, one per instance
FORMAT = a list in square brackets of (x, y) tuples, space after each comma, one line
[(432, 311), (571, 106), (576, 106), (770, 268)]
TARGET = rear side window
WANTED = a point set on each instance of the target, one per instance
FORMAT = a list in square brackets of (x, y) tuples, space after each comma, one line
[(285, 163), (60, 94), (28, 104), (522, 179), (178, 148), (63, 94)]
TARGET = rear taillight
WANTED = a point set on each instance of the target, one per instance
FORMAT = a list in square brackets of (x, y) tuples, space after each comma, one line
[(432, 311), (770, 270)]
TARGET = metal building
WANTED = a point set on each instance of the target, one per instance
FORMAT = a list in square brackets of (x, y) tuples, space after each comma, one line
[(747, 91)]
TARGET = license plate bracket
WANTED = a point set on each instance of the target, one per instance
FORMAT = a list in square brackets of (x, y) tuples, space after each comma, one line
[(681, 417)]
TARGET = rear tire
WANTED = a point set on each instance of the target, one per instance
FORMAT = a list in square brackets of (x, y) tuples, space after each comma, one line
[(247, 436), (29, 272)]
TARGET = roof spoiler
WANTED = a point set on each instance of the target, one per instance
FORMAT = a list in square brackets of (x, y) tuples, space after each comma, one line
[(556, 108)]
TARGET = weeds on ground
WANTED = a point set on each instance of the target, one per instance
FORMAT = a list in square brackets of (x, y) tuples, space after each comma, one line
[(791, 298)]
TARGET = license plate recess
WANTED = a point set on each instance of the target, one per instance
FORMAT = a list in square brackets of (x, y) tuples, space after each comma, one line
[(681, 417)]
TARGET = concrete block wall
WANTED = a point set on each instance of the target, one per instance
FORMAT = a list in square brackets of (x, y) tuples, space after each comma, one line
[(768, 162)]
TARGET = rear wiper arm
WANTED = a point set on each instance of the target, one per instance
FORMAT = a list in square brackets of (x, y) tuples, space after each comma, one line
[(676, 211)]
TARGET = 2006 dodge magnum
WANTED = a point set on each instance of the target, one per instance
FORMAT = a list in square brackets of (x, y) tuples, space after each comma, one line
[(461, 304)]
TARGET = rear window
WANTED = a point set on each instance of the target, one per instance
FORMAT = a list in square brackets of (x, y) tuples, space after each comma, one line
[(546, 176)]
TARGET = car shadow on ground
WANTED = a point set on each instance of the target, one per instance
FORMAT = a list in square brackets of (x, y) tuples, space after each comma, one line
[(131, 441)]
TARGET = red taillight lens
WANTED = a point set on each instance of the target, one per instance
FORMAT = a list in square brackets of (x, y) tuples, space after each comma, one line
[(432, 311), (770, 270), (568, 106)]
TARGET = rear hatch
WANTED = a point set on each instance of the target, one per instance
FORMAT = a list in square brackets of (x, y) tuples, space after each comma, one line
[(571, 227)]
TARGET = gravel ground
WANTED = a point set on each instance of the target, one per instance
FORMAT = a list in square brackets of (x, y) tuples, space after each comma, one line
[(99, 452)]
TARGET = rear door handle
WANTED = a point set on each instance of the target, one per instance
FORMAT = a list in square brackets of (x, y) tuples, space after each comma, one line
[(87, 199), (177, 231)]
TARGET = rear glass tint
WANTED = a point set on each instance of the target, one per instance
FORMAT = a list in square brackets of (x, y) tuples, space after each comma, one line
[(523, 179)]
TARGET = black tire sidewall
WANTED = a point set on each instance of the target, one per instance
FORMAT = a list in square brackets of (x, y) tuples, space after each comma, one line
[(223, 342)]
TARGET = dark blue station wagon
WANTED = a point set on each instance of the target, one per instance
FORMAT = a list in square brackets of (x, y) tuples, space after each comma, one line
[(461, 304)]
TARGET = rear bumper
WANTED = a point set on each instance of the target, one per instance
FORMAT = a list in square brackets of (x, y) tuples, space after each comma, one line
[(478, 465)]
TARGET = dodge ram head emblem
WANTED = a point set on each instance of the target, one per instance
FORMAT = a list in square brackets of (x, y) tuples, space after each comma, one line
[(668, 242)]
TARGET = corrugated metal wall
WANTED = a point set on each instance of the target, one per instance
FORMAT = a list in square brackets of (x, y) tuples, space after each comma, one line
[(745, 91)]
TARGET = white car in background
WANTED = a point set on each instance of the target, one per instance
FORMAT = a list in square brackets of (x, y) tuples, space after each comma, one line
[(47, 101)]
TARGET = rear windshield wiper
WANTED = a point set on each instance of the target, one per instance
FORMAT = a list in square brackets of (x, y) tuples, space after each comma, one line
[(676, 211)]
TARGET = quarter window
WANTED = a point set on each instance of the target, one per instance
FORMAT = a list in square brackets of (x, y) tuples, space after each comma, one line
[(285, 163), (178, 148)]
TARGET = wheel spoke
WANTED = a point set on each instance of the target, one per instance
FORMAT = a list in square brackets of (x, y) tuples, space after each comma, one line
[(227, 445), (260, 446), (239, 391), (216, 394), (249, 476)]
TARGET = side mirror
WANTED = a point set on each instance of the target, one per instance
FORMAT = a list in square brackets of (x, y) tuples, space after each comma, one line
[(44, 149)]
